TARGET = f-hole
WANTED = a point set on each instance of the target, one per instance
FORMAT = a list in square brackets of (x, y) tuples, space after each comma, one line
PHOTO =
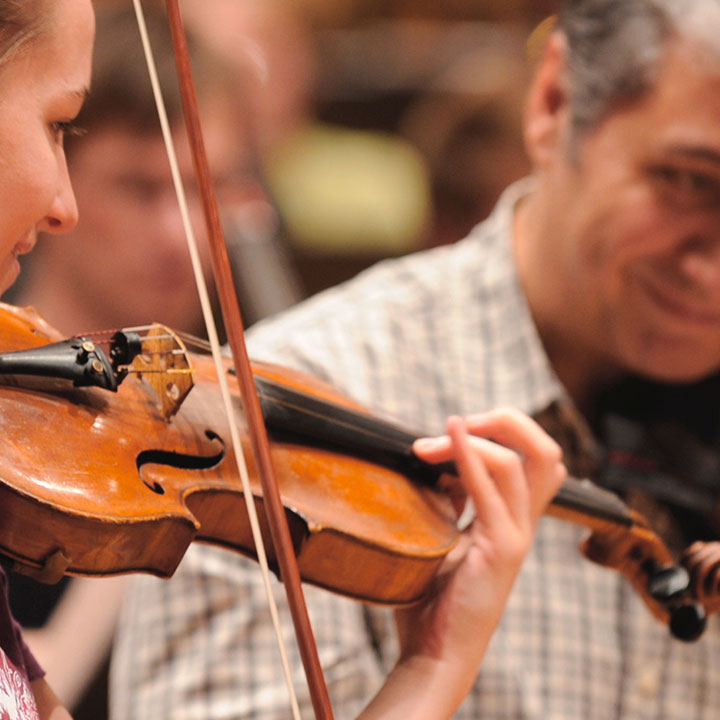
[(182, 461)]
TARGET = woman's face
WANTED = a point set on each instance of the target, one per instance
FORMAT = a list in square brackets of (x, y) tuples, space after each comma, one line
[(42, 89)]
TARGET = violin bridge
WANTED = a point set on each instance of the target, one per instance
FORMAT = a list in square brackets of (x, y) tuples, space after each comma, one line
[(164, 365)]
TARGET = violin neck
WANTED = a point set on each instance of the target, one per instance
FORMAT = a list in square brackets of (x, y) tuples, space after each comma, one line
[(297, 416), (584, 503)]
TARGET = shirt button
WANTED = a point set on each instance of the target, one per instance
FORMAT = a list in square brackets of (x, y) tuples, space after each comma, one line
[(648, 682)]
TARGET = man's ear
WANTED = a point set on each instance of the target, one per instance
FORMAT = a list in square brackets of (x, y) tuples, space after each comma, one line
[(547, 112)]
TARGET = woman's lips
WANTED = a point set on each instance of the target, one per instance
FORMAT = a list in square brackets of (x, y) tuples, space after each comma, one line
[(24, 246)]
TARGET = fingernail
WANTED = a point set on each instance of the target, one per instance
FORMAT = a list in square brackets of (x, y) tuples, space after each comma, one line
[(430, 443)]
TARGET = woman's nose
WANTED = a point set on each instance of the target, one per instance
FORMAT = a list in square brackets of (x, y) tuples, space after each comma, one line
[(62, 216)]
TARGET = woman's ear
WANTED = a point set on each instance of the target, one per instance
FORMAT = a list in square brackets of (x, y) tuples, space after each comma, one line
[(547, 112)]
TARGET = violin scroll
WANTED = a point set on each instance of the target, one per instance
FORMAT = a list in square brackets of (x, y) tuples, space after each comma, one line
[(640, 555), (622, 540)]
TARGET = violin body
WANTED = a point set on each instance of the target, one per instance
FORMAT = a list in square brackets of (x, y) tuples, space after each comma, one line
[(100, 483)]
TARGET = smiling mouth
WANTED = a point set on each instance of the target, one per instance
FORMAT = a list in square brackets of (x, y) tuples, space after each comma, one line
[(680, 308), (24, 246)]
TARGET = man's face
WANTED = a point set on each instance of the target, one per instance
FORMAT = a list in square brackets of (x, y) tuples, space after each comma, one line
[(629, 273)]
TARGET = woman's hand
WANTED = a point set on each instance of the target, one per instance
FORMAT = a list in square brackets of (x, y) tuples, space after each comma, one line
[(48, 705), (510, 480)]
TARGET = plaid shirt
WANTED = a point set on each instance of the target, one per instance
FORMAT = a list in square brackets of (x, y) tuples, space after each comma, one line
[(418, 338)]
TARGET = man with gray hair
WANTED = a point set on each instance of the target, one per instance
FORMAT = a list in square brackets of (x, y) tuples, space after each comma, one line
[(596, 284)]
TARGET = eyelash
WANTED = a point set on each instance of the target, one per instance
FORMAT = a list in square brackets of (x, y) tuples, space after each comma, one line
[(63, 128)]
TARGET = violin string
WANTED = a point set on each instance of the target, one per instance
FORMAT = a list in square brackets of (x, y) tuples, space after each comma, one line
[(95, 333), (215, 344), (195, 341), (174, 351), (165, 371), (188, 338)]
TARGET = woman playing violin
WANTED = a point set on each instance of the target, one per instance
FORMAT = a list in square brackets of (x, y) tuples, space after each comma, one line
[(45, 58), (44, 70)]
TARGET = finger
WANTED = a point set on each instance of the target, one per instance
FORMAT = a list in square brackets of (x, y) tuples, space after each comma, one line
[(700, 552), (492, 475), (481, 458), (516, 430), (434, 449), (439, 450), (542, 456), (453, 488)]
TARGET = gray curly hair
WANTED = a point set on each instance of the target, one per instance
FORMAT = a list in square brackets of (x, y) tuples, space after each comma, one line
[(615, 47)]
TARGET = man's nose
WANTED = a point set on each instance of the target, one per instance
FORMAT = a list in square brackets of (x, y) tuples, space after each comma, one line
[(699, 264)]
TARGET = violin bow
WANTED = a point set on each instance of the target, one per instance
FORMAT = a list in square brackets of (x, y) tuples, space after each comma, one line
[(275, 513)]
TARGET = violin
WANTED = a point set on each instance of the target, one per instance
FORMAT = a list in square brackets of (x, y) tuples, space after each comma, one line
[(116, 457), (702, 560)]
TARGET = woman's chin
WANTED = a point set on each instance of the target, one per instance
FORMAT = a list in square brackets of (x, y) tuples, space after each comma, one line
[(8, 275)]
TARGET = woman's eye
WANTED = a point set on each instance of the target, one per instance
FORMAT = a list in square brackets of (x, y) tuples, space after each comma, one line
[(62, 128)]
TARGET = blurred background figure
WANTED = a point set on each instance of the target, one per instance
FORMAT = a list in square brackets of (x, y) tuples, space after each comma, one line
[(386, 126), (342, 192), (381, 127), (270, 45), (449, 78)]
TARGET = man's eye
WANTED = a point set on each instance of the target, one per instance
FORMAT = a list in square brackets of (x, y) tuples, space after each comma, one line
[(687, 186)]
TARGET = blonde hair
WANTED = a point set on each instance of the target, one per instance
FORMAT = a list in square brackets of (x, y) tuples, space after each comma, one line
[(21, 21)]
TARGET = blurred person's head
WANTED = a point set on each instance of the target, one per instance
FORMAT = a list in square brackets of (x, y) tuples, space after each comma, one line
[(618, 246), (270, 44), (126, 262), (467, 124)]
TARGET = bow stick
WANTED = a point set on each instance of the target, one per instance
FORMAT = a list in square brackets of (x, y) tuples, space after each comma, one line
[(275, 512)]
